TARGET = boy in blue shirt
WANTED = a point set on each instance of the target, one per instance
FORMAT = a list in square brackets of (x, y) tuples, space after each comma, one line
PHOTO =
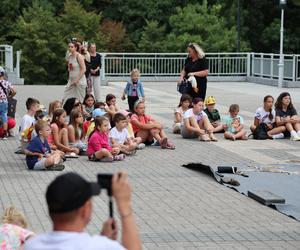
[(38, 152)]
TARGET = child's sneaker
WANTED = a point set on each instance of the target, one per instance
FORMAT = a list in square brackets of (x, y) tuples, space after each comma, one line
[(56, 167), (295, 138), (278, 136), (141, 146), (119, 157)]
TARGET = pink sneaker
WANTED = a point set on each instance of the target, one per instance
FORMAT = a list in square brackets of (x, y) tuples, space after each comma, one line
[(119, 157)]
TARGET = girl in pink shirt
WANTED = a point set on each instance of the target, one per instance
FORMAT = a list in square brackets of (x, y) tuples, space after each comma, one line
[(98, 145), (147, 128)]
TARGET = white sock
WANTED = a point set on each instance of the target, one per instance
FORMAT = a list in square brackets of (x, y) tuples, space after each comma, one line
[(278, 136), (294, 134), (298, 133)]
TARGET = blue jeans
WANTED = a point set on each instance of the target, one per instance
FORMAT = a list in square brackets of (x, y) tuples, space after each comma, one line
[(3, 111)]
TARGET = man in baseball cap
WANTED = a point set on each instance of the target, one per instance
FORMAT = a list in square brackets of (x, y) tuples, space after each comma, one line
[(70, 209)]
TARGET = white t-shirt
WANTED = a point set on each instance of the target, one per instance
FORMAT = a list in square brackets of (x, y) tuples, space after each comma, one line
[(26, 122), (263, 116), (71, 241), (119, 136), (190, 113)]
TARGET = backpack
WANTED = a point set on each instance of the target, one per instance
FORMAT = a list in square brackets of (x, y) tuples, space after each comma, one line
[(260, 132)]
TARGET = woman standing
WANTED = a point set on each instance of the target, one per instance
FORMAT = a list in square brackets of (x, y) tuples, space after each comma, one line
[(196, 65), (76, 86)]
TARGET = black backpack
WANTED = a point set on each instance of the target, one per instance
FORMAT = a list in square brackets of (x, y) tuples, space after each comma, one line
[(261, 132)]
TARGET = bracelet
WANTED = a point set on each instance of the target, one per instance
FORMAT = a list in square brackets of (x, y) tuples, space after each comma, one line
[(126, 215)]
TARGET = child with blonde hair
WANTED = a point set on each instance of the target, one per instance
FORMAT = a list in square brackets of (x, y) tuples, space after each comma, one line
[(234, 124), (13, 232), (134, 89)]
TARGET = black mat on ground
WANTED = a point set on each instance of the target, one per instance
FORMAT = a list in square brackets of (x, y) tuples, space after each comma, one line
[(281, 184), (285, 185)]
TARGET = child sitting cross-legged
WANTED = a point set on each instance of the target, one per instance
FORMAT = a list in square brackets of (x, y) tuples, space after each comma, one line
[(213, 114), (120, 137), (98, 144), (38, 152), (147, 128), (234, 124)]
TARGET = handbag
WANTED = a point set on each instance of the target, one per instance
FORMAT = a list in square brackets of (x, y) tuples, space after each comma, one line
[(184, 87), (261, 132)]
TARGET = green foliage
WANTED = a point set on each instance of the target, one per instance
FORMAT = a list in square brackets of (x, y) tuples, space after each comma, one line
[(152, 39), (203, 25), (77, 22), (38, 37), (41, 28)]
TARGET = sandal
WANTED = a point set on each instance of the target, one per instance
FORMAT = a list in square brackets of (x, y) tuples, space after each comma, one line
[(170, 146), (164, 142), (213, 138), (204, 138)]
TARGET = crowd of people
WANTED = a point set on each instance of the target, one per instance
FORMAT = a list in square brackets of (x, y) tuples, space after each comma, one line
[(82, 124), (197, 117)]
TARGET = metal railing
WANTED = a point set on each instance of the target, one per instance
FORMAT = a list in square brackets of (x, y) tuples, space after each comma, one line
[(266, 66), (228, 66), (171, 64)]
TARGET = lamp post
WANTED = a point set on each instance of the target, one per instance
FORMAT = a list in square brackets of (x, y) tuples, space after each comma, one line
[(282, 4), (238, 19)]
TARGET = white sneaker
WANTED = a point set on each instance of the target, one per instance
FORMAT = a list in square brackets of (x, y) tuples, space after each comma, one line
[(295, 138), (141, 146), (278, 136)]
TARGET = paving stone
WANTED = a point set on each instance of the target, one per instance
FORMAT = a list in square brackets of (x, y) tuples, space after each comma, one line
[(175, 208)]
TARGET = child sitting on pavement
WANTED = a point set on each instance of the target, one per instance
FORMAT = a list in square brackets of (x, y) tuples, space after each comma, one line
[(184, 104), (234, 124), (213, 114), (38, 152), (98, 144), (28, 121), (147, 128), (132, 137), (195, 123), (13, 229), (119, 135)]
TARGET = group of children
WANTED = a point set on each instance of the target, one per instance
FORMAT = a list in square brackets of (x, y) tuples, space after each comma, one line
[(193, 121), (103, 132), (99, 130)]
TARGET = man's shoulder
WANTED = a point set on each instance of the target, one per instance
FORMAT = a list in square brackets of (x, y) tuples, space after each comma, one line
[(66, 241)]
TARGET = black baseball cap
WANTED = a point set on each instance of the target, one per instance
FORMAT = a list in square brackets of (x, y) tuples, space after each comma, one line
[(68, 192)]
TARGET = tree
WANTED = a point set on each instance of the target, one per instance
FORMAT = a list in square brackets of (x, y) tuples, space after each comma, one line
[(77, 22), (203, 25), (38, 37), (153, 37), (117, 39)]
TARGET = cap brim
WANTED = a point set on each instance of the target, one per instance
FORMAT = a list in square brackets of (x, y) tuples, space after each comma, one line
[(95, 188)]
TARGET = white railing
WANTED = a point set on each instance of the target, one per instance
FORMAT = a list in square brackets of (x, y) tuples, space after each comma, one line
[(231, 65), (266, 66), (171, 64)]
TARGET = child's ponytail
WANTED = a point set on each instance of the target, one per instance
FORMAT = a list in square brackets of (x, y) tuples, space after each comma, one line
[(271, 109), (98, 121)]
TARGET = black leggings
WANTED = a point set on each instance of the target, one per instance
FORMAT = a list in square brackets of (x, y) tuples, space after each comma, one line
[(131, 102)]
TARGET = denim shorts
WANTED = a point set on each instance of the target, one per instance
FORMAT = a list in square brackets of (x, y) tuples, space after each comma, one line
[(3, 111)]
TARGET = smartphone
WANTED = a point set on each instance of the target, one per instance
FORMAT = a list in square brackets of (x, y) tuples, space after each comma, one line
[(105, 182)]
